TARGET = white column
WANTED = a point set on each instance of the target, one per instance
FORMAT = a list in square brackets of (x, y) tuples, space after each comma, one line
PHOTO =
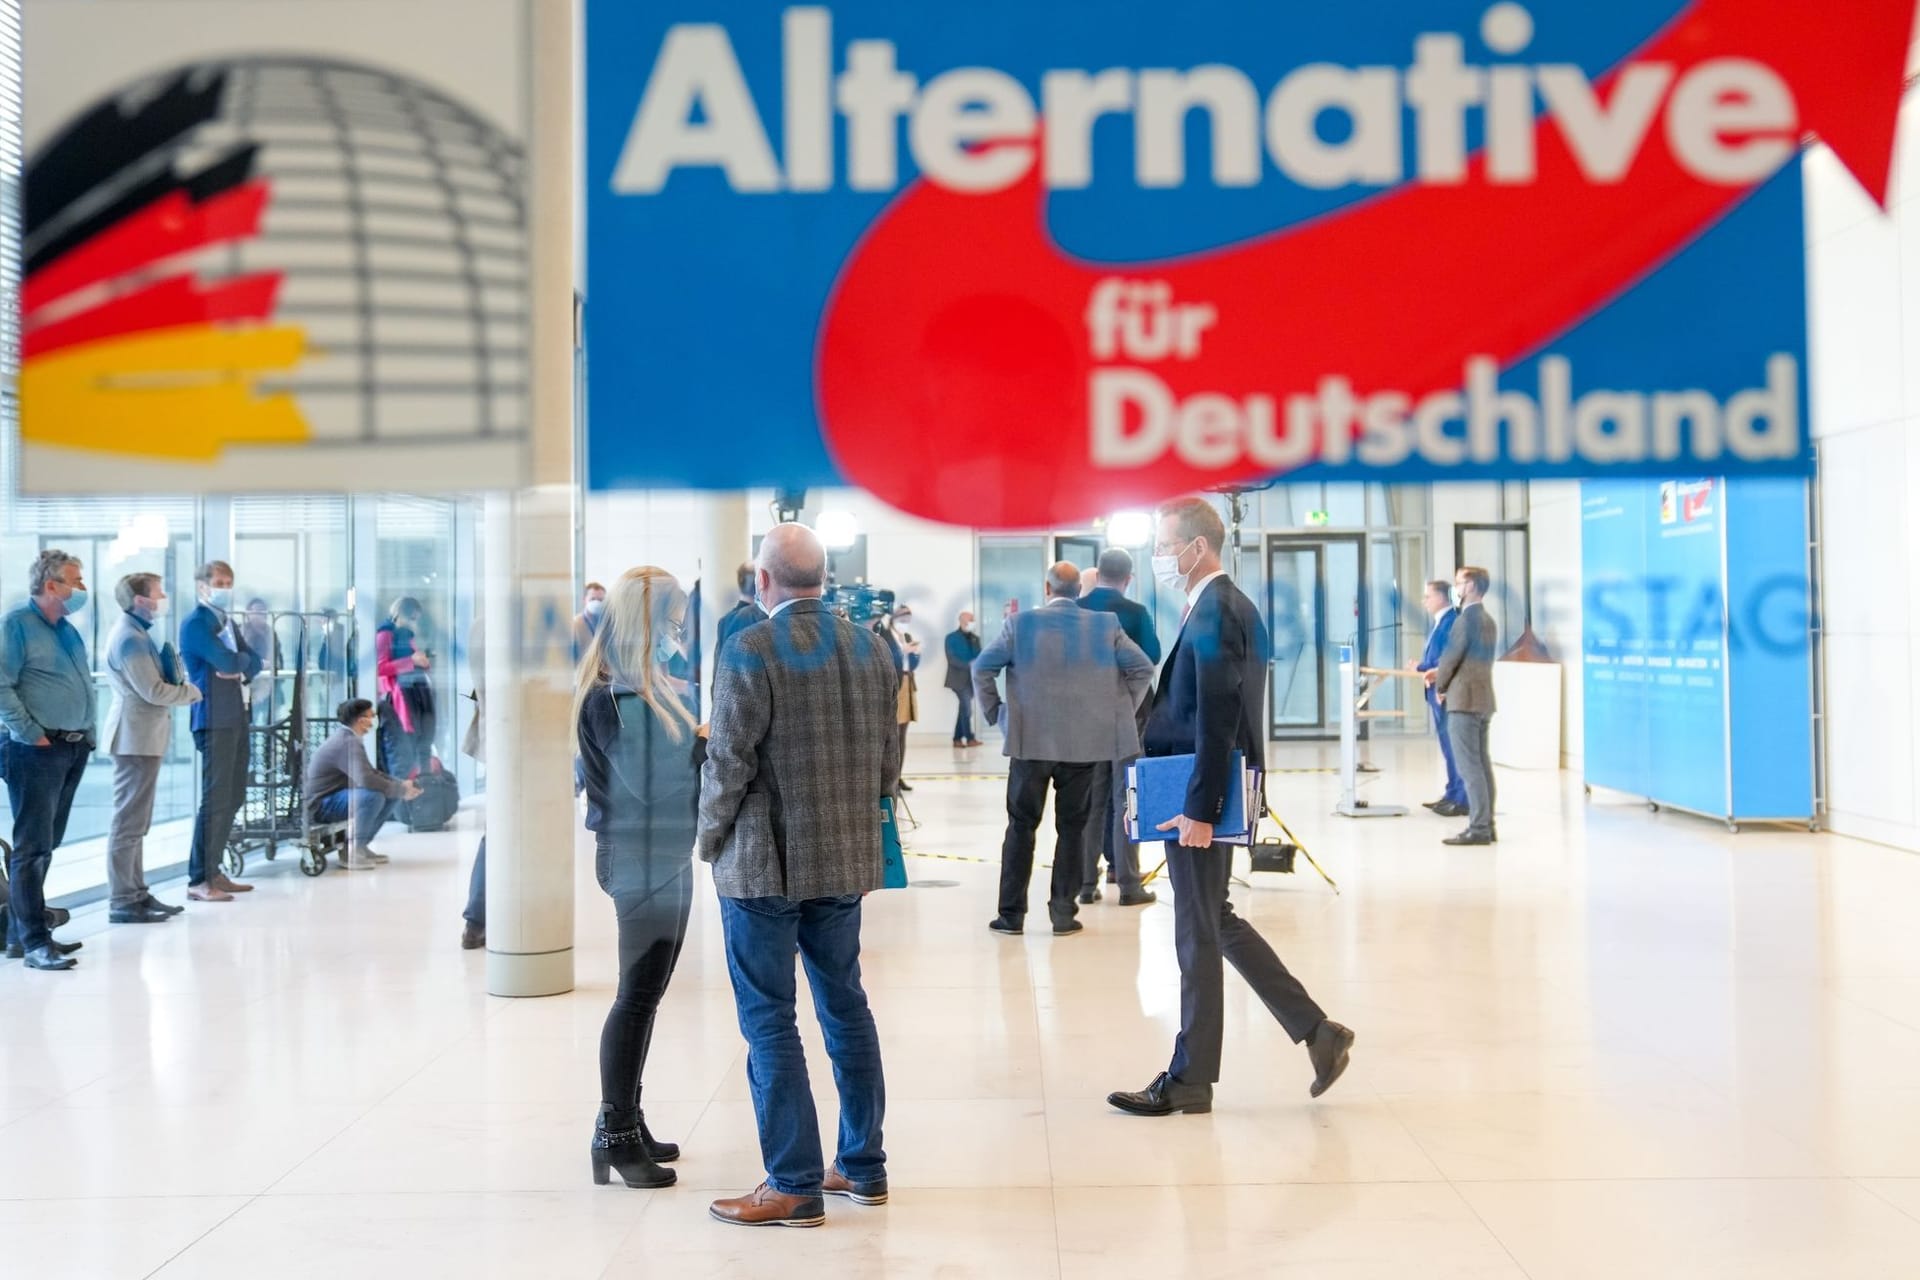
[(529, 590), (723, 543)]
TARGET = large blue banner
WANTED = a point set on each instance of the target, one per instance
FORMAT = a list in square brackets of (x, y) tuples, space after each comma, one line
[(1696, 663), (1012, 264)]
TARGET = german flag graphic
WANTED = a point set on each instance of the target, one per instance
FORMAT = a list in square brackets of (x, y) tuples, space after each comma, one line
[(126, 347)]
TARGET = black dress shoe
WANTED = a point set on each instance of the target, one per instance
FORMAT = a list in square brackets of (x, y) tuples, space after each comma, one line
[(15, 951), (167, 907), (1435, 805), (1329, 1049), (1164, 1097), (905, 785), (1448, 809), (1466, 837), (49, 957), (1063, 927), (141, 914), (1000, 924), (1089, 896), (1140, 899), (473, 937)]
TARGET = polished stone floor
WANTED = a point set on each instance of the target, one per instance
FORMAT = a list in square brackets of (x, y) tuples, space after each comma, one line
[(1617, 1045)]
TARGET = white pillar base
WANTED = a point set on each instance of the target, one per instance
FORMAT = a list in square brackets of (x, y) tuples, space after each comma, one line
[(547, 973)]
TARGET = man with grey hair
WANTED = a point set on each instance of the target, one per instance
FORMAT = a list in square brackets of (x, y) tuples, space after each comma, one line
[(147, 686), (1074, 685), (46, 704), (800, 752)]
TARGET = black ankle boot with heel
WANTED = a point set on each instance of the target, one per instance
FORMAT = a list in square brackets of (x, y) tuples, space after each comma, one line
[(620, 1143)]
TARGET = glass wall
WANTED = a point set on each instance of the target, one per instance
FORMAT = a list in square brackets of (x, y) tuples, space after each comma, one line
[(323, 569)]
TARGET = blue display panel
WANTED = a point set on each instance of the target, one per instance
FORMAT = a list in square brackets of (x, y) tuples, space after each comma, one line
[(1696, 655)]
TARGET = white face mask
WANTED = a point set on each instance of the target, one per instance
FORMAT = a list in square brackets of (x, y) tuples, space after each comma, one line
[(149, 609), (1167, 570)]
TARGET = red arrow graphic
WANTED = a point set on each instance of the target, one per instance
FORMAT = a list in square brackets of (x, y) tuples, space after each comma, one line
[(953, 360)]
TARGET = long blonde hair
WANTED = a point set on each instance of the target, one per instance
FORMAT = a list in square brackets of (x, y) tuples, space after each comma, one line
[(624, 648)]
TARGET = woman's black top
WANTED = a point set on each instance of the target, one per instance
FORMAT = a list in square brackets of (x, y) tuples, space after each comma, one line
[(643, 788)]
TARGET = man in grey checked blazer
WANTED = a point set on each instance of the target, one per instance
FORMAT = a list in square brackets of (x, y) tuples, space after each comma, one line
[(801, 749), (146, 689), (1074, 682)]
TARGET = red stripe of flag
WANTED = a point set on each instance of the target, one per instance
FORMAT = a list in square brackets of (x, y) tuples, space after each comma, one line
[(164, 229), (175, 301)]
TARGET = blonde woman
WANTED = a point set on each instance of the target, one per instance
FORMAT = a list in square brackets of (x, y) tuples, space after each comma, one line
[(635, 736)]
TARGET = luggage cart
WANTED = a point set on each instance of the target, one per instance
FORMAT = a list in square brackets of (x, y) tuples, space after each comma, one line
[(308, 673)]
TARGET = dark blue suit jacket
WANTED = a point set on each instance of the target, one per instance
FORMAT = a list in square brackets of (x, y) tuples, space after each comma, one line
[(1212, 696), (736, 620), (1135, 619), (220, 705), (1437, 645)]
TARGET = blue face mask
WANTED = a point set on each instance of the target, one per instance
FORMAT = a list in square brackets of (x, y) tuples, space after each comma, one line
[(77, 601), (220, 598)]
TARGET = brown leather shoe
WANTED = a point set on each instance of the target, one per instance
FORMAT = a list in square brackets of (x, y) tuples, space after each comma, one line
[(765, 1207), (837, 1184), (209, 892), (222, 883)]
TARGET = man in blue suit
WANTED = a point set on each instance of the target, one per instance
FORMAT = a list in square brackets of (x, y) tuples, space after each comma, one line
[(221, 666), (1106, 824), (1212, 703), (1439, 602)]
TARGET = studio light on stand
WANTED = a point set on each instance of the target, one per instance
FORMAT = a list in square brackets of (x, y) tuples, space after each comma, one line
[(1129, 529), (838, 530)]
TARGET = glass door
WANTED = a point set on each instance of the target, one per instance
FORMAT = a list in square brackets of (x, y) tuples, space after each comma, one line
[(1316, 602)]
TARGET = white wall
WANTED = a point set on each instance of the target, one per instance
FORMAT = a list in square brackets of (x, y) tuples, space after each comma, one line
[(1864, 369), (1554, 555)]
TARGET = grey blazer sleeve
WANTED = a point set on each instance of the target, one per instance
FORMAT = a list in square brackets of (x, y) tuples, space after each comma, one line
[(1136, 668), (742, 712), (1454, 654), (993, 659), (134, 661)]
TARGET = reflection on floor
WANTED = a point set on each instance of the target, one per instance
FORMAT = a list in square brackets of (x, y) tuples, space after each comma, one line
[(1618, 1044)]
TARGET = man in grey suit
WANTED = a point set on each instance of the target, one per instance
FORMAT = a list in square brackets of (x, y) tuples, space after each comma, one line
[(801, 750), (1464, 681), (147, 686), (1074, 684)]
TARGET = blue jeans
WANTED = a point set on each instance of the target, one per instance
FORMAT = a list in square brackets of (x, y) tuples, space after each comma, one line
[(364, 811), (762, 935), (1456, 792), (963, 726), (41, 782)]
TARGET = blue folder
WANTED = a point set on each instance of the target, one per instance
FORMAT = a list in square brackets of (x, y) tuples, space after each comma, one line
[(1157, 793)]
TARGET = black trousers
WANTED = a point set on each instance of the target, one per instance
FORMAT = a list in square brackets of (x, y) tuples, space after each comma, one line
[(652, 898), (1206, 931), (41, 784), (1107, 832), (223, 789), (1027, 782)]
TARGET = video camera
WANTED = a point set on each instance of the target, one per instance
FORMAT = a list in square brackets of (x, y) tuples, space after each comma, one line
[(859, 604)]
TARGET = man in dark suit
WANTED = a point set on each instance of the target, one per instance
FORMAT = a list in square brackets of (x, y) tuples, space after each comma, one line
[(1074, 685), (1439, 601), (1106, 823), (801, 750), (1211, 703), (963, 646), (1463, 680), (743, 614), (221, 665)]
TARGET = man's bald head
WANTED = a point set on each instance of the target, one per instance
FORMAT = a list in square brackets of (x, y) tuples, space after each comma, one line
[(792, 564), (1063, 580)]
